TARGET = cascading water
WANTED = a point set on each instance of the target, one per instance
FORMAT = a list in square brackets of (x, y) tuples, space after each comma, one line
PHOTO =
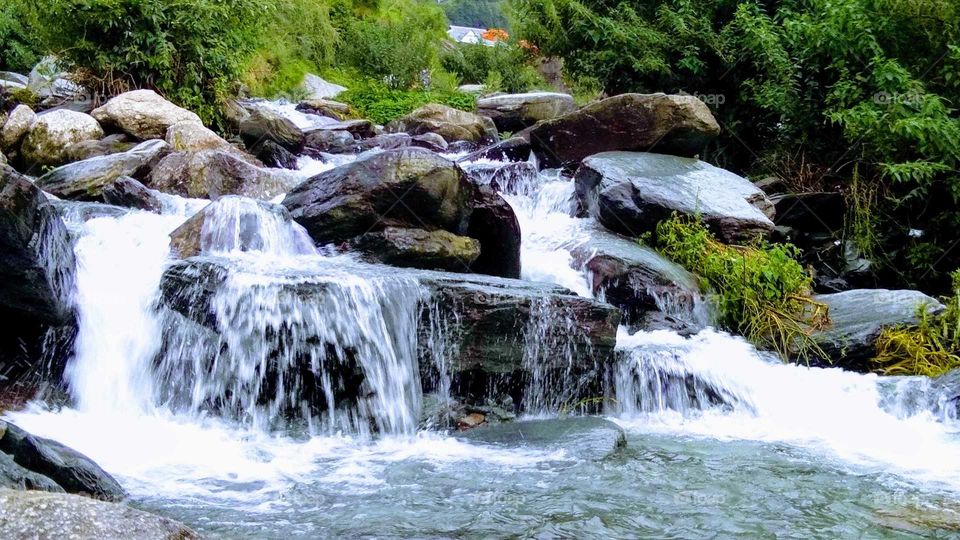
[(179, 396)]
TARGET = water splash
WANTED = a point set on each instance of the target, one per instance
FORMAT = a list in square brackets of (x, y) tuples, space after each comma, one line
[(239, 224)]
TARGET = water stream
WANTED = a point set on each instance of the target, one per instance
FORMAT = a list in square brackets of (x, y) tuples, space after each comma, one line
[(722, 440)]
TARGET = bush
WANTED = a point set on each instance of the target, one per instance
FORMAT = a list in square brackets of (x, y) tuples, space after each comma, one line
[(397, 46), (20, 49), (506, 64), (759, 291), (931, 347), (381, 104)]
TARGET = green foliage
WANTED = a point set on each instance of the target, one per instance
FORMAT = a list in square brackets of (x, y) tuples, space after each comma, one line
[(759, 291), (931, 347), (865, 84), (476, 13), (19, 47), (382, 104), (398, 45), (505, 67)]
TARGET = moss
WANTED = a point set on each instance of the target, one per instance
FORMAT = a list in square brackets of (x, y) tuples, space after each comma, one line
[(760, 290)]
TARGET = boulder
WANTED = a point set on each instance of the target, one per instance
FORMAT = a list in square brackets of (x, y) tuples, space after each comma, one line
[(512, 149), (111, 144), (387, 141), (430, 141), (630, 192), (331, 141), (671, 124), (451, 124), (583, 438), (143, 114), (409, 187), (324, 107), (16, 127), (52, 132), (234, 223), (272, 154), (34, 514), (319, 89), (51, 83), (494, 223), (13, 476), (191, 136), (11, 82), (213, 174), (472, 88), (85, 180), (417, 248), (69, 469), (130, 193), (260, 120), (513, 112), (634, 277), (37, 265), (859, 316)]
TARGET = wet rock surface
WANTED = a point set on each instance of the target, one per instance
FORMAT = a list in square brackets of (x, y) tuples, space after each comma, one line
[(58, 515), (581, 438), (669, 124), (630, 192)]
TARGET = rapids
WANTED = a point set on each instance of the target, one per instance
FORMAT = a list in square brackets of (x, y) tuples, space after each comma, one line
[(721, 439)]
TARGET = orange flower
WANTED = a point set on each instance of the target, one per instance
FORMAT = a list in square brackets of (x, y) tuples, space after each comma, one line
[(496, 34)]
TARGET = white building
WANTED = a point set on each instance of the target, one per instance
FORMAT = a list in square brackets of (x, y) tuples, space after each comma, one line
[(466, 34)]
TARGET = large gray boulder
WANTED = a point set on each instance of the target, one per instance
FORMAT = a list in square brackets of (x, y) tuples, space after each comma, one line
[(52, 132), (36, 256), (69, 469), (513, 112), (451, 124), (671, 124), (213, 174), (633, 277), (85, 180), (319, 89), (15, 128), (857, 317), (130, 193), (406, 187), (35, 514), (630, 192), (143, 114)]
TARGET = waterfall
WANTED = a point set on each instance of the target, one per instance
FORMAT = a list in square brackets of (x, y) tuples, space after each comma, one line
[(283, 330)]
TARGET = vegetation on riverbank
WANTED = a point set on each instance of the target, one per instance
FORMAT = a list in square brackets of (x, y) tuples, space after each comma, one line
[(931, 347), (822, 90), (759, 291), (198, 53)]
